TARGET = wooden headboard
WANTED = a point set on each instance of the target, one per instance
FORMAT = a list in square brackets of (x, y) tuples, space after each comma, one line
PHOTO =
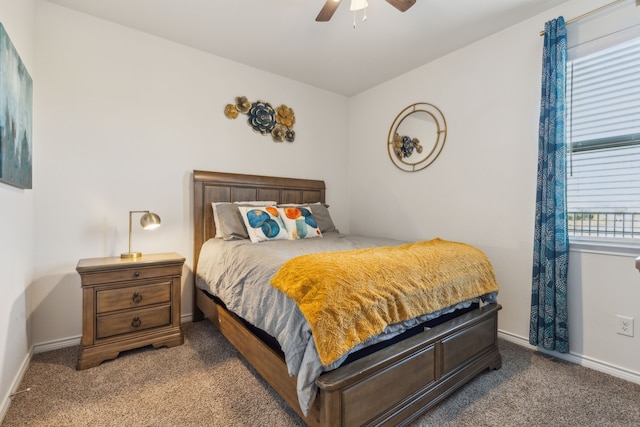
[(211, 187)]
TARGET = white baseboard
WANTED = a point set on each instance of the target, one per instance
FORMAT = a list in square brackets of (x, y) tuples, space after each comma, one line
[(587, 362), (578, 359), (56, 345), (6, 399)]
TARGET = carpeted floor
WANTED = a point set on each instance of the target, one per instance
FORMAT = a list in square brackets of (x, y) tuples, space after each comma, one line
[(206, 383)]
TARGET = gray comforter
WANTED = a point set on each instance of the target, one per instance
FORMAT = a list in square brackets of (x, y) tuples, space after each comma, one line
[(239, 272)]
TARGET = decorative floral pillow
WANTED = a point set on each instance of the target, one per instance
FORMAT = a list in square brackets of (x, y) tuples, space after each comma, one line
[(300, 222), (320, 212), (263, 223), (228, 221)]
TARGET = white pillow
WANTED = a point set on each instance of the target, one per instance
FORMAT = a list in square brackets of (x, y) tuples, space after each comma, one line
[(263, 223), (300, 222)]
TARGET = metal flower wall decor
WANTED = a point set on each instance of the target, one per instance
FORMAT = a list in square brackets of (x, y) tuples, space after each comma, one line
[(403, 146), (264, 119)]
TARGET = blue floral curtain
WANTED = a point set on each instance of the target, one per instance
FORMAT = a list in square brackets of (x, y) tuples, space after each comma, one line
[(548, 327)]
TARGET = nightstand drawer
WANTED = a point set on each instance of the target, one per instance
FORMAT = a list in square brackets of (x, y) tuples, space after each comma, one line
[(132, 296), (125, 274), (132, 321)]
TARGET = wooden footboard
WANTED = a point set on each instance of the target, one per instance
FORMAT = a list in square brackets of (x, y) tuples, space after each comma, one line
[(395, 385), (392, 386)]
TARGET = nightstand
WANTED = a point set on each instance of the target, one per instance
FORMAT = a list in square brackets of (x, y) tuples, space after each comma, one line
[(129, 303)]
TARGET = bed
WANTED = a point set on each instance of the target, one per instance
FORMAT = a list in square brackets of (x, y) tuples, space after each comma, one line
[(392, 385)]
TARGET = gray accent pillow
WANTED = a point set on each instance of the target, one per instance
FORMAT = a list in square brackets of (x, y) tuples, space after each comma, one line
[(323, 218)]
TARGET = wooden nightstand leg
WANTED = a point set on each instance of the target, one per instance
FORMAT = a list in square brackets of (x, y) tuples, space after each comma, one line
[(90, 359), (170, 341), (94, 356)]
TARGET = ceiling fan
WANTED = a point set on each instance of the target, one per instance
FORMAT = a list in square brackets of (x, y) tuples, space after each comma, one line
[(331, 5)]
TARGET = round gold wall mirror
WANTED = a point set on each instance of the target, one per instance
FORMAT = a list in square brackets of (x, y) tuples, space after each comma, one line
[(417, 137)]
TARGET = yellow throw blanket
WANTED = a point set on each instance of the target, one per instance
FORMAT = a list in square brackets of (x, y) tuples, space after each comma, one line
[(350, 296)]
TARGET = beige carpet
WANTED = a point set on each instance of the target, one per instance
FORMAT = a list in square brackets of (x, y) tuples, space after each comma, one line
[(206, 383)]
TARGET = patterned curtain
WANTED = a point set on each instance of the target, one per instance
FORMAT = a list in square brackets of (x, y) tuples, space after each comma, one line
[(548, 326)]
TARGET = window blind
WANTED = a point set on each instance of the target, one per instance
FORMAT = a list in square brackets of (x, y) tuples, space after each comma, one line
[(603, 130)]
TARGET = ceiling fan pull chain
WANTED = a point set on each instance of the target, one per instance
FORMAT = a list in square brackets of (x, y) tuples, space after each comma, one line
[(364, 16)]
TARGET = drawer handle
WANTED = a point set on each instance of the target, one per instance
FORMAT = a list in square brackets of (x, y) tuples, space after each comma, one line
[(136, 322), (137, 297), (137, 273)]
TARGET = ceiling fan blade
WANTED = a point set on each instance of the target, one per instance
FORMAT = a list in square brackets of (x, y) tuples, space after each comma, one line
[(402, 5), (327, 10)]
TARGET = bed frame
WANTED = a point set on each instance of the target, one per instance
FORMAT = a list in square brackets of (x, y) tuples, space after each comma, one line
[(392, 386)]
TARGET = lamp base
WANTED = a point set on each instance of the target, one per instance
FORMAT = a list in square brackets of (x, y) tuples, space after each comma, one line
[(131, 255)]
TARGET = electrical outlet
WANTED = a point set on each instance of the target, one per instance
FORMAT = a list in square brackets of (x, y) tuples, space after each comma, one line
[(625, 325)]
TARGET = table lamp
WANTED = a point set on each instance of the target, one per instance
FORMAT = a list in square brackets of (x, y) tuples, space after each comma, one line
[(148, 221)]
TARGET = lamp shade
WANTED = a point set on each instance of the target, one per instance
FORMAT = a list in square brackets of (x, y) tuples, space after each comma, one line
[(149, 221)]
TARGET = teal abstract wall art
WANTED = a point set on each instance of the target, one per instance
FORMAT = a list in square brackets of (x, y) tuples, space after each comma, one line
[(16, 106)]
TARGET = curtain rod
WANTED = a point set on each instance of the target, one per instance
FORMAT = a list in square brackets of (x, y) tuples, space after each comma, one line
[(584, 15)]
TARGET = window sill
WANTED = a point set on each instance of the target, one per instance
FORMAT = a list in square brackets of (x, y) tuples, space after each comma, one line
[(605, 247)]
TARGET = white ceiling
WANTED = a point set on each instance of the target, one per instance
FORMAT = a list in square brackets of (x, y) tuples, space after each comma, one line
[(282, 37)]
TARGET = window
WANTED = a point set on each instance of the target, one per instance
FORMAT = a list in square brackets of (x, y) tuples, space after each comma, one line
[(603, 135)]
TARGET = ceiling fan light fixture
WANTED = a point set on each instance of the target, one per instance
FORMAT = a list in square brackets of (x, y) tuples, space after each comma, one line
[(358, 5), (330, 6)]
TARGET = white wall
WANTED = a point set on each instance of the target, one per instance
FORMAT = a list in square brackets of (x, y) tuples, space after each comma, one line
[(124, 118), (481, 189), (104, 94), (16, 225)]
